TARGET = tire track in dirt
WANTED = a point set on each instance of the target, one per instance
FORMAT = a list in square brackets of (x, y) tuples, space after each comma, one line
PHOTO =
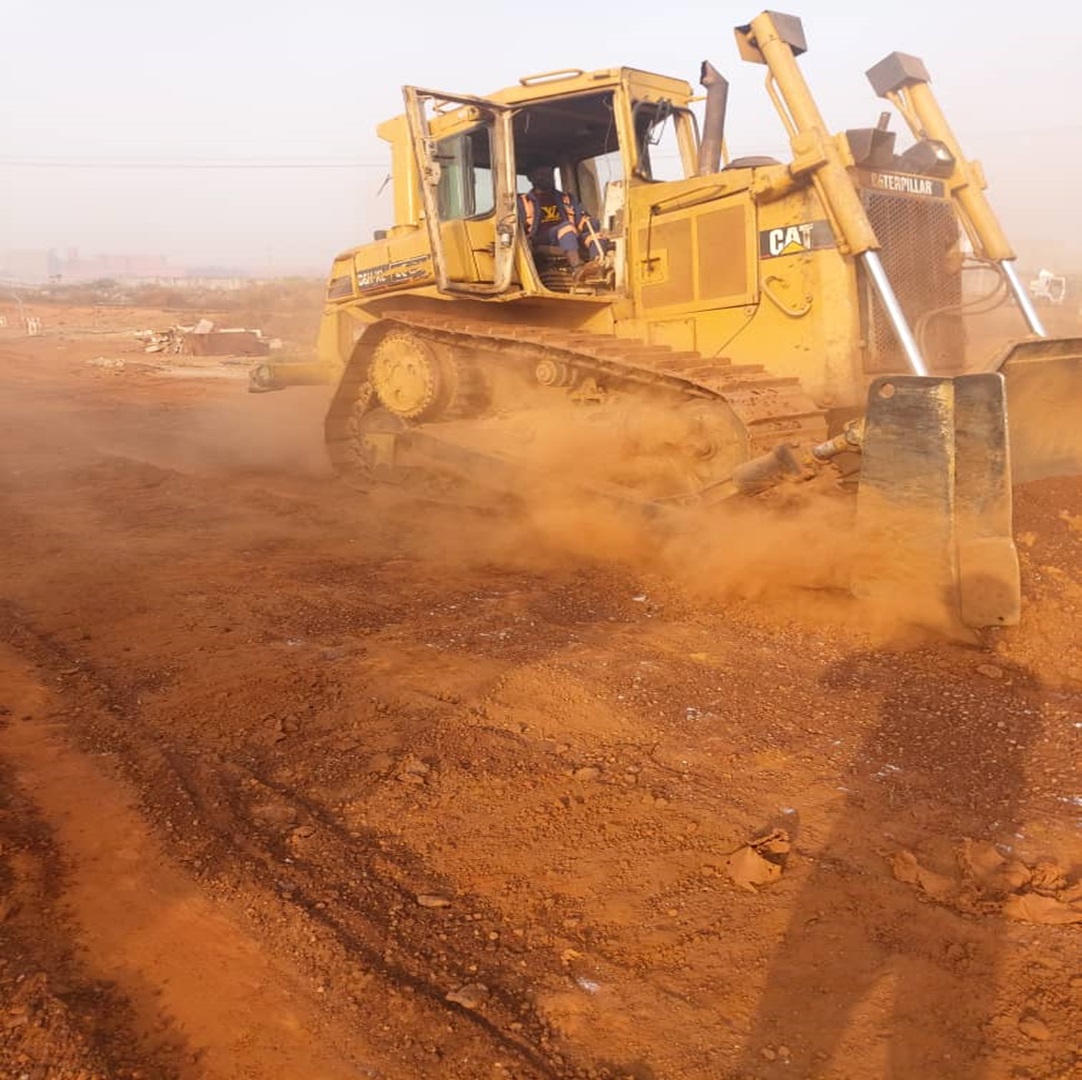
[(248, 848), (55, 1024), (144, 926)]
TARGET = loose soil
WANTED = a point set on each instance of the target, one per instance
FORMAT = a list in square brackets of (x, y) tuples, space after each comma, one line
[(302, 781)]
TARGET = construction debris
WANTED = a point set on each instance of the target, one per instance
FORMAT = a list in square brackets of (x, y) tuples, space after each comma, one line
[(203, 339)]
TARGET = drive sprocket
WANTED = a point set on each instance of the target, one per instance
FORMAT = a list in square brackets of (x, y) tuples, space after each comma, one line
[(408, 375), (418, 379)]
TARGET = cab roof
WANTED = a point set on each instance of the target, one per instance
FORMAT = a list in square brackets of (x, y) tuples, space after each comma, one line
[(575, 81)]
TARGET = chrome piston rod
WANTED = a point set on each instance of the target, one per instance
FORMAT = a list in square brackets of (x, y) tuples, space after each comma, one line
[(1029, 312), (871, 262)]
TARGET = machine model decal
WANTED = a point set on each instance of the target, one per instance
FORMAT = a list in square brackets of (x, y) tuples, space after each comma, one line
[(389, 275), (794, 239), (905, 184)]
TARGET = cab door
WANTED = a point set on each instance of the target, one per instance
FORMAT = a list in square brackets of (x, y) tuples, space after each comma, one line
[(465, 159)]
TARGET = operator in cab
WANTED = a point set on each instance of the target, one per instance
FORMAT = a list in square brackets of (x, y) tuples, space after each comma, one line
[(553, 218)]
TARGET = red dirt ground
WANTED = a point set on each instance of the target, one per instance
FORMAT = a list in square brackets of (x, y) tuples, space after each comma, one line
[(304, 782)]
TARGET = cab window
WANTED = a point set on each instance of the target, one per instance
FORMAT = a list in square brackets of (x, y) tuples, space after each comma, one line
[(467, 187), (657, 136), (577, 136)]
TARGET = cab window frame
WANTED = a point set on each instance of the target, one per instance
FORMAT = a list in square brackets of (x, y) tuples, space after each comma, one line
[(685, 132)]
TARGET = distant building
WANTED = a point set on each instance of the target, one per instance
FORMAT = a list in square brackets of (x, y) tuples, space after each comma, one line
[(76, 269), (29, 267), (41, 267)]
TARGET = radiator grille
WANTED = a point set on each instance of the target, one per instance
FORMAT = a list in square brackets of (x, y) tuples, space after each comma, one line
[(919, 239)]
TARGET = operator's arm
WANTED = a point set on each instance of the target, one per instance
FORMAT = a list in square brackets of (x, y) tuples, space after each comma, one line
[(527, 221), (583, 221)]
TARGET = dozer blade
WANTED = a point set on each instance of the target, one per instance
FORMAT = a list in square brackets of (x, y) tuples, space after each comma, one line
[(934, 504), (1044, 406)]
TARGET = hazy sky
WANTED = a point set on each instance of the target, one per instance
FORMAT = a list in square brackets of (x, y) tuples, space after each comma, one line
[(165, 100)]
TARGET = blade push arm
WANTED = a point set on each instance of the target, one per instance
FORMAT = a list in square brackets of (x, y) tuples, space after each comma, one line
[(904, 82), (776, 40)]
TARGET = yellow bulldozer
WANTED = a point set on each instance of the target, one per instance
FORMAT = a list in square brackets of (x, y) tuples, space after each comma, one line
[(741, 322)]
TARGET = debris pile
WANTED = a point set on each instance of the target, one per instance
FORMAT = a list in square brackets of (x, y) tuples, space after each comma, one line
[(203, 339)]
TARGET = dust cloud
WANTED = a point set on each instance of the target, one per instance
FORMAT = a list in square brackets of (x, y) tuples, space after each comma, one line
[(792, 556), (278, 435), (798, 554), (282, 433), (609, 492)]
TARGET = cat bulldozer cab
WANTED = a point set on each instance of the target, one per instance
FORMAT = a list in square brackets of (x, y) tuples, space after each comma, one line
[(752, 321)]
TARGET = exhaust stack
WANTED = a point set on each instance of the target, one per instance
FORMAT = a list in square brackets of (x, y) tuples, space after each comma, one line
[(717, 101)]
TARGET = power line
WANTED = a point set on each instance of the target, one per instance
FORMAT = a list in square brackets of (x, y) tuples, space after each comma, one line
[(43, 163), (255, 163)]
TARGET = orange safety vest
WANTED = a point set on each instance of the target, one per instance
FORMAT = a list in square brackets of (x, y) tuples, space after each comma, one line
[(531, 211)]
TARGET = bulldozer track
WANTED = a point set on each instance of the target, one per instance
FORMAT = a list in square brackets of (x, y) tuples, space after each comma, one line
[(773, 409)]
